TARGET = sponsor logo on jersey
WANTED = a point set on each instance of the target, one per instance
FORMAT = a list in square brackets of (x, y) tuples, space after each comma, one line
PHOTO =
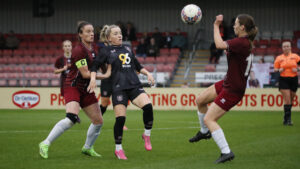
[(223, 100), (120, 98), (125, 59), (26, 99)]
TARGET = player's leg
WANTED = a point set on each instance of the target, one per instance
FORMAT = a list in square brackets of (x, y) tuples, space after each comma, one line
[(205, 97), (120, 113), (72, 109), (213, 114), (94, 114), (286, 93), (143, 101), (104, 104)]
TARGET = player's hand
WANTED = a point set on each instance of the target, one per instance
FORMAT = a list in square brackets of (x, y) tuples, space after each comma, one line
[(92, 86), (151, 79), (65, 67), (281, 70), (219, 20), (294, 69)]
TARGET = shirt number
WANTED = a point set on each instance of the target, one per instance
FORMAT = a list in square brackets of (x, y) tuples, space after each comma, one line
[(249, 60)]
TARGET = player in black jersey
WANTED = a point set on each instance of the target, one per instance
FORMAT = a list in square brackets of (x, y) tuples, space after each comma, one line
[(106, 84), (126, 85)]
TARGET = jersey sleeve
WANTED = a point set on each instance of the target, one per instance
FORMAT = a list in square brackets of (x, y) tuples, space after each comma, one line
[(276, 63), (137, 64), (233, 45), (79, 58), (100, 60), (57, 63)]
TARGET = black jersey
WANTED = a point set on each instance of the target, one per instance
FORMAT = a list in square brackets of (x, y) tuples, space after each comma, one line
[(124, 66), (103, 51)]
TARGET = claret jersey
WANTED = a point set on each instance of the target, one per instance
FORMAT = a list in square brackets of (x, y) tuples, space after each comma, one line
[(81, 56)]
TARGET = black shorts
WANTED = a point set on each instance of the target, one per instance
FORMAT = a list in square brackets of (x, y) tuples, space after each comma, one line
[(123, 96), (288, 83), (106, 88)]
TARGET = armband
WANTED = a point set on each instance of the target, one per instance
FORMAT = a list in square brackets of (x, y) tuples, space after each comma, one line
[(81, 63)]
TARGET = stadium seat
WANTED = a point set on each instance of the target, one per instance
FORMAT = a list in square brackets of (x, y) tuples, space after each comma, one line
[(55, 82), (150, 60), (28, 52), (256, 43), (297, 34), (3, 82), (275, 43), (175, 51), (160, 67), (141, 60), (169, 68), (12, 82), (264, 43), (259, 51), (161, 60), (150, 68), (164, 51), (37, 37), (32, 45), (273, 51), (18, 53), (7, 53), (3, 60), (172, 60), (23, 45)]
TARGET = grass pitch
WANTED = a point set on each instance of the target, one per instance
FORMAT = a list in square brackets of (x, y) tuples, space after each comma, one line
[(258, 139)]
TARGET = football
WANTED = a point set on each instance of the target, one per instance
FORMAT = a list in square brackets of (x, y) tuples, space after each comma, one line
[(191, 14)]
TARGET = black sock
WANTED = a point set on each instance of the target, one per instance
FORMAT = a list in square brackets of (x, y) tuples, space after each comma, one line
[(290, 112), (103, 109), (118, 129), (287, 112), (148, 116)]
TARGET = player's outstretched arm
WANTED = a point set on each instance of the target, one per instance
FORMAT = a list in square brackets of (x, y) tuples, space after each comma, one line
[(149, 75)]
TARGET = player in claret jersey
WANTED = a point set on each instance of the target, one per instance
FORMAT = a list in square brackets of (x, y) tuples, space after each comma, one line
[(63, 63), (226, 93), (126, 85), (76, 95)]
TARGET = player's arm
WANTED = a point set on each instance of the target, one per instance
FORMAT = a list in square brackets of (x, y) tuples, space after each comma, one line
[(149, 76), (220, 44), (83, 68), (93, 85), (277, 65), (60, 70)]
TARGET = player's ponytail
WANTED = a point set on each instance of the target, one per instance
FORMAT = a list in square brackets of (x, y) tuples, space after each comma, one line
[(103, 37), (105, 32), (249, 25)]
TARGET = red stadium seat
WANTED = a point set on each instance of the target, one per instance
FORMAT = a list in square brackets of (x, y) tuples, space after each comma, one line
[(18, 53), (7, 53), (150, 60), (55, 82), (150, 68), (32, 45), (3, 60), (161, 60), (160, 68), (273, 51), (37, 37), (28, 52), (164, 51), (141, 60), (23, 45), (259, 51), (172, 60), (175, 51), (275, 43), (264, 43)]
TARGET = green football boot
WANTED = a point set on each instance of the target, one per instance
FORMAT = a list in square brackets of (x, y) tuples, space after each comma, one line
[(44, 150), (90, 152)]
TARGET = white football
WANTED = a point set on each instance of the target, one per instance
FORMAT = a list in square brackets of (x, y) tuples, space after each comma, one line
[(191, 14)]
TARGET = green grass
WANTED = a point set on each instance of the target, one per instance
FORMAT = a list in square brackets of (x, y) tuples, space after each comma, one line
[(258, 139)]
